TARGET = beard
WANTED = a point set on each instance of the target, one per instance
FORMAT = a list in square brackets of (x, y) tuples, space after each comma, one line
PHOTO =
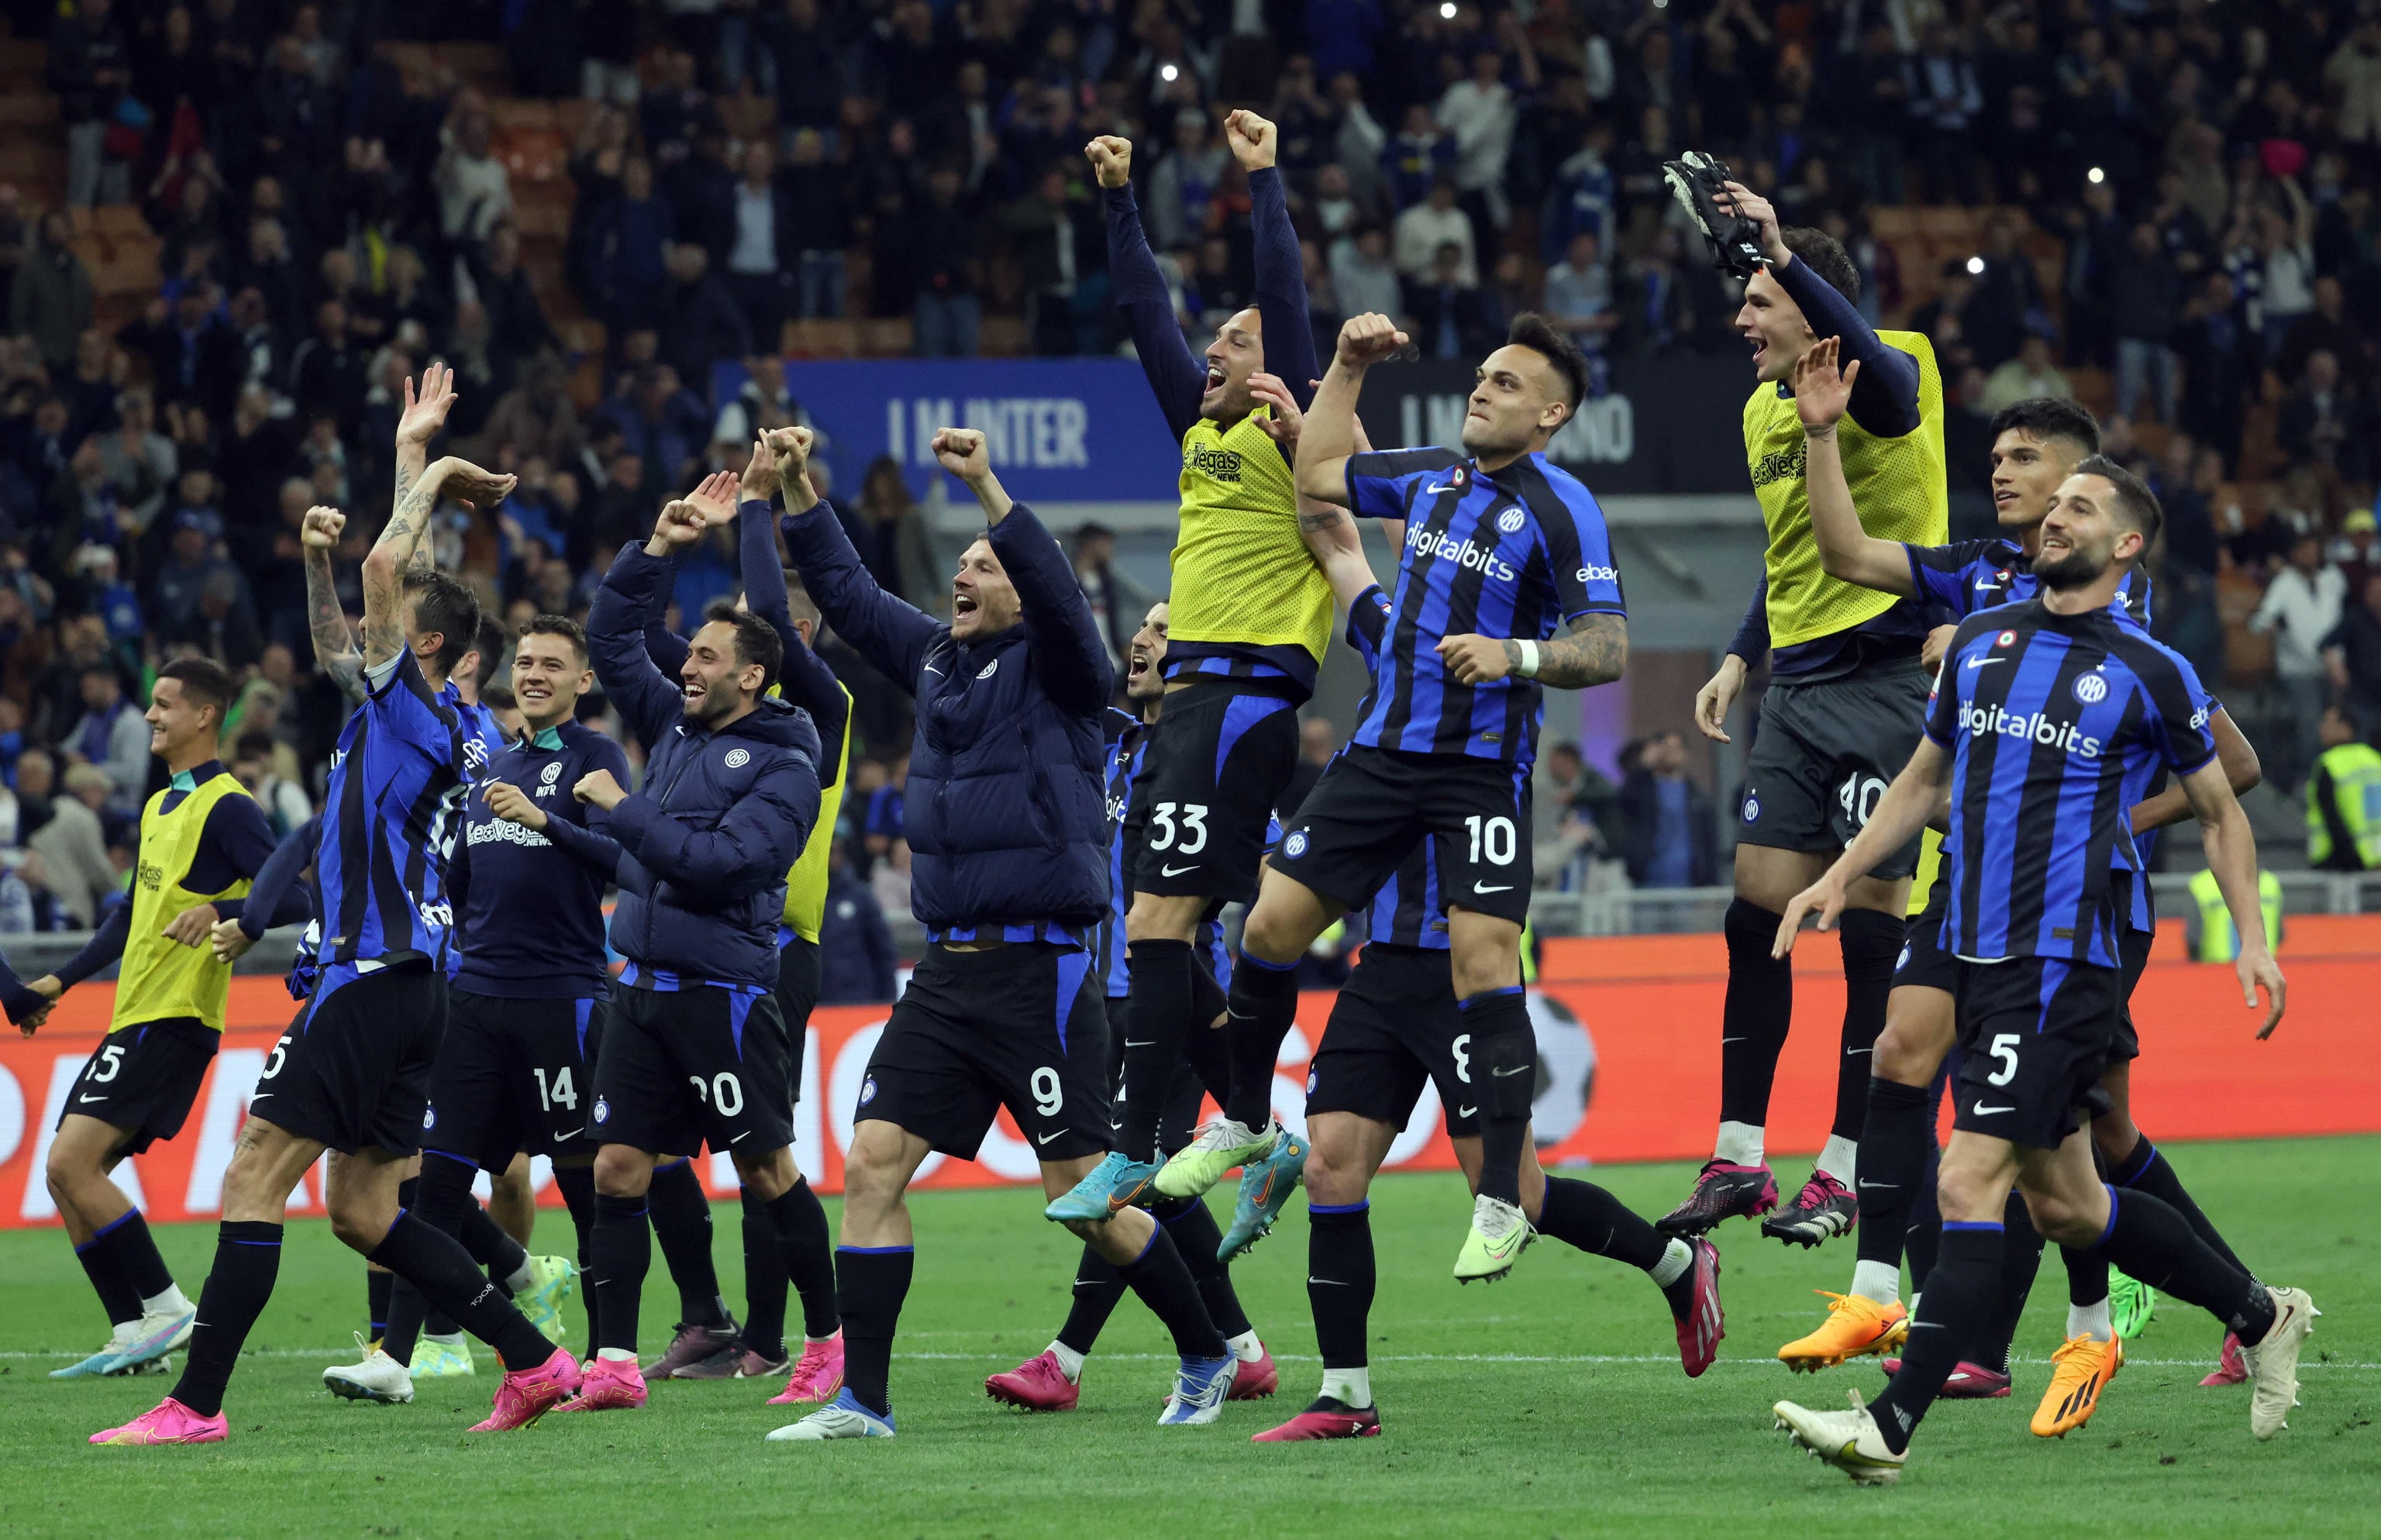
[(2075, 569)]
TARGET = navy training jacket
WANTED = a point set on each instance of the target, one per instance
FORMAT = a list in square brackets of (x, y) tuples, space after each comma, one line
[(1005, 812), (705, 844)]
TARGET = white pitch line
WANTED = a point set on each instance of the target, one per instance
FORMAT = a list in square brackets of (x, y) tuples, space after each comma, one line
[(1311, 1358)]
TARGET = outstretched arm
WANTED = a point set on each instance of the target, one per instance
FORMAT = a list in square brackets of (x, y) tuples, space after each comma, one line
[(1280, 265), (334, 646), (1904, 808), (2241, 769), (1328, 436), (1175, 374), (401, 546), (1846, 550), (647, 699)]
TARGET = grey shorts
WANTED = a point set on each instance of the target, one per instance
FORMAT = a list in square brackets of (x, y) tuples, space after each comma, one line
[(1823, 757)]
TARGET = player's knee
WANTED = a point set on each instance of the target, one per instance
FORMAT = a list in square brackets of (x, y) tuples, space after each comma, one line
[(2062, 1219), (767, 1176), (621, 1172), (1902, 1056), (1163, 917), (1962, 1195), (1272, 935), (1336, 1171)]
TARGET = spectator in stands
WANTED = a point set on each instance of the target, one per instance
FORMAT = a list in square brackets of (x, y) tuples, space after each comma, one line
[(1362, 276), (1579, 294), (2328, 328), (2028, 374), (881, 821), (701, 317), (50, 300), (1415, 161), (888, 531), (1059, 242), (1425, 227), (857, 957), (68, 837), (2144, 307), (2352, 656), (810, 197), (326, 371), (1669, 837), (941, 239), (517, 330), (535, 420), (111, 735), (1945, 103), (1117, 602), (2008, 298), (758, 246), (629, 247), (90, 68), (663, 423), (2325, 423), (2301, 610), (1452, 319), (1184, 181), (1478, 113), (137, 461)]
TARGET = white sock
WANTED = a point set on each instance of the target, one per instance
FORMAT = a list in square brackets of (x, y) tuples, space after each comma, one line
[(170, 1302), (455, 1339), (1738, 1144), (615, 1355), (835, 1336), (1677, 1257), (1879, 1281), (2090, 1320), (1839, 1158), (1913, 1304), (1071, 1362), (519, 1279), (1245, 1347), (1349, 1386)]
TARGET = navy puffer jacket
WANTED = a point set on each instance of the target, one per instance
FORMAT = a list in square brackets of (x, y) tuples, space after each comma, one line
[(707, 843), (1004, 811)]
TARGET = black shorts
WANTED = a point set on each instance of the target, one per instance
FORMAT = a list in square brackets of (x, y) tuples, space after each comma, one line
[(512, 1075), (355, 1067), (1373, 805), (1394, 1026), (1184, 1091), (1021, 1026), (144, 1079), (1218, 758), (1924, 964), (1824, 754), (2034, 1035), (2134, 951), (798, 991), (680, 1067)]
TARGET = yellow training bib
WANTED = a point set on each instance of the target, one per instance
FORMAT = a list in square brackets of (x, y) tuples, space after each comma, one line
[(159, 979), (1240, 572), (1898, 489), (806, 880)]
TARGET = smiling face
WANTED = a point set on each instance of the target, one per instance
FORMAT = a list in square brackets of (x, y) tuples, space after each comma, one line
[(1145, 659), (715, 684), (983, 602), (176, 723), (549, 675), (1772, 323), (2027, 471), (1236, 353), (2082, 534), (1517, 402)]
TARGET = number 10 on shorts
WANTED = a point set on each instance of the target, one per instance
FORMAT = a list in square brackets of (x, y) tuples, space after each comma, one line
[(1494, 838)]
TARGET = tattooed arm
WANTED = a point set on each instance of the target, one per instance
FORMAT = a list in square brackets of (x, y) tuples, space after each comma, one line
[(1594, 653), (335, 645), (404, 546)]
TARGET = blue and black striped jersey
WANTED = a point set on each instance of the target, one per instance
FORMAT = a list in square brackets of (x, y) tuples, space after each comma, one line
[(381, 862), (1126, 734), (1520, 552), (1959, 579), (2057, 725), (1409, 910)]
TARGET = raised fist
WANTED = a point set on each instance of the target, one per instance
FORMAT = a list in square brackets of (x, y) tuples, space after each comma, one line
[(322, 528), (1111, 156)]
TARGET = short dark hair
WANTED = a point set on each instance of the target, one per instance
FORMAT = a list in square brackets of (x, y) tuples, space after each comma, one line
[(2049, 417), (1826, 256), (2136, 504), (1539, 335), (205, 682), (756, 640), (498, 696), (798, 601), (559, 625), (445, 604), (491, 644)]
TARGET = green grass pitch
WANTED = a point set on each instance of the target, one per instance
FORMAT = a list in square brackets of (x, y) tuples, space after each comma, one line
[(1549, 1405)]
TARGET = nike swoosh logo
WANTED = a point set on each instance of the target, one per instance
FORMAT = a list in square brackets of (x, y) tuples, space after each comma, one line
[(1979, 663), (1987, 587), (1484, 888), (1467, 1112), (1045, 1138), (1873, 1186), (1435, 490), (1509, 1074), (746, 1135), (1130, 1043), (1981, 1110), (99, 1098), (1178, 871), (1854, 1053), (932, 669), (1334, 1283), (572, 1134), (1731, 1040)]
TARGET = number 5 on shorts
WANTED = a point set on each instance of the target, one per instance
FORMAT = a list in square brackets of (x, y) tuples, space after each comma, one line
[(2004, 1052)]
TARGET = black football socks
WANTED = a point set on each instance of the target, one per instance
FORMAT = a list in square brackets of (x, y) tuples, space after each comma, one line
[(1340, 1281), (1505, 1076), (2157, 1244), (578, 1187), (1872, 942), (1197, 1239), (681, 1215), (619, 1251), (1159, 1021), (2146, 1170), (436, 1264), (1164, 1285), (765, 1281), (1893, 1147), (1959, 1293), (1098, 1288), (872, 1282), (1754, 1017), (1263, 1003), (248, 1258)]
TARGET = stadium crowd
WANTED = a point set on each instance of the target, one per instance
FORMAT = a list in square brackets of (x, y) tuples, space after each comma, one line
[(2172, 210)]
